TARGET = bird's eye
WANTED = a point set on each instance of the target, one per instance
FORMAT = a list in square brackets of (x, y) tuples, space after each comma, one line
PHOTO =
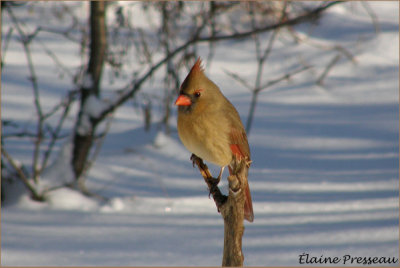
[(197, 94)]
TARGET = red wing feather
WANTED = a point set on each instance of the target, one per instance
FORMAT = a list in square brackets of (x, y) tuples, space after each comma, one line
[(236, 151), (239, 145)]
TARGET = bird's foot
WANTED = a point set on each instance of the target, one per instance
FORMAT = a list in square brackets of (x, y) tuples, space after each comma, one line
[(205, 172)]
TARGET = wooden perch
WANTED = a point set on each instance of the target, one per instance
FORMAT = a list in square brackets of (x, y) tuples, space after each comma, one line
[(231, 208)]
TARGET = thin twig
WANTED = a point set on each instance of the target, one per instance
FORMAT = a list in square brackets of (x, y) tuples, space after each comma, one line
[(261, 59), (55, 59), (283, 77), (318, 44), (373, 16), (289, 22), (330, 65), (7, 41), (98, 145), (239, 79), (25, 39), (56, 133)]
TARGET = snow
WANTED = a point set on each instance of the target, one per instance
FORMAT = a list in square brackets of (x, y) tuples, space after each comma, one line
[(69, 199), (92, 109), (324, 177), (94, 106)]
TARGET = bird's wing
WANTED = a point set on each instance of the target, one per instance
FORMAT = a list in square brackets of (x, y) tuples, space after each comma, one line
[(238, 144)]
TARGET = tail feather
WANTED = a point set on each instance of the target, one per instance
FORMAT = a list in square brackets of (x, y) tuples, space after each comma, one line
[(248, 204)]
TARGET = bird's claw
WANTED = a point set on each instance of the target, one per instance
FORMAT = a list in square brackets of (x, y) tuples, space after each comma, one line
[(211, 181), (193, 159)]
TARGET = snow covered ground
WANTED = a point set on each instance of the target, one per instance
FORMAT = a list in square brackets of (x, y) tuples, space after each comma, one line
[(324, 179)]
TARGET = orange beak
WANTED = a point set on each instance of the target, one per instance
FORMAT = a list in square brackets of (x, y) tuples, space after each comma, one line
[(183, 100)]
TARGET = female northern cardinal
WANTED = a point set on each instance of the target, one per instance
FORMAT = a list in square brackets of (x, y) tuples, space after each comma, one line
[(210, 127)]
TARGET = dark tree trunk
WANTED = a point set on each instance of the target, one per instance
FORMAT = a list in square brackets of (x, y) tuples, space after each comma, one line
[(98, 42), (83, 139)]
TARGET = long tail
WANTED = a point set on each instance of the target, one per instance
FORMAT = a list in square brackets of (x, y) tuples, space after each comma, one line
[(248, 204)]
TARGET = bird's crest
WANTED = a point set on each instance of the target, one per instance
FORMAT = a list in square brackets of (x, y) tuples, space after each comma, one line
[(197, 67), (195, 73)]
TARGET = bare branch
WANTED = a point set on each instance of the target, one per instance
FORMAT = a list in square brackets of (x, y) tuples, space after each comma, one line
[(297, 20), (316, 44), (231, 208), (346, 53), (283, 77), (21, 175), (56, 133), (7, 41), (97, 150), (130, 90), (239, 79), (261, 58), (55, 59), (332, 63), (26, 39), (372, 14)]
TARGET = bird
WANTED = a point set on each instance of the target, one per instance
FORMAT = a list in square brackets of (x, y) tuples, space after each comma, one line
[(209, 126)]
